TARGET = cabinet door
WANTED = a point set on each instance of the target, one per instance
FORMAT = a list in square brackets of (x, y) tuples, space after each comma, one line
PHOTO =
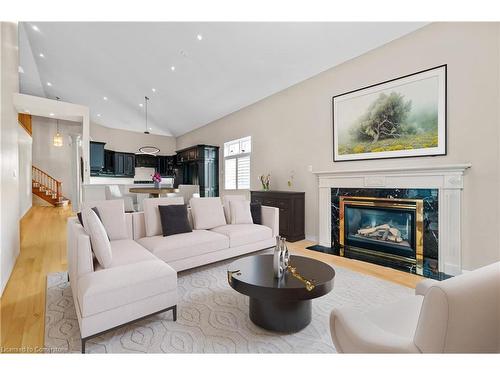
[(284, 220), (163, 165), (119, 163), (109, 161), (129, 165), (170, 160), (96, 156)]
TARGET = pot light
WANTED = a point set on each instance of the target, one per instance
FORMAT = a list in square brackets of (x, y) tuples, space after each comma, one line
[(41, 55), (105, 98), (172, 68), (51, 114), (98, 115), (35, 27), (49, 84), (153, 89), (199, 37), (141, 105)]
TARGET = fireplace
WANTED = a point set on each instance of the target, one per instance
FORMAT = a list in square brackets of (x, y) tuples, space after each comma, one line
[(386, 229)]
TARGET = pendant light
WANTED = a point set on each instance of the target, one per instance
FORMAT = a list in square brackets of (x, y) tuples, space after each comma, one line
[(58, 138), (146, 99)]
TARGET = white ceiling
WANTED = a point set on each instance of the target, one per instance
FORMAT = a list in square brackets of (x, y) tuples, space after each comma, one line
[(234, 65)]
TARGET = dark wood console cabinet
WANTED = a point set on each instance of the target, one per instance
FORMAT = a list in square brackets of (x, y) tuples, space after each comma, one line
[(292, 210)]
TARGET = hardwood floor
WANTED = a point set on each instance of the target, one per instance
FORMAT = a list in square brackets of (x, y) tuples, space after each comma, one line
[(381, 272), (43, 250)]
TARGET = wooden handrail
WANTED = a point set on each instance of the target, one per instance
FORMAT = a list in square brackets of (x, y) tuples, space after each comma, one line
[(47, 181)]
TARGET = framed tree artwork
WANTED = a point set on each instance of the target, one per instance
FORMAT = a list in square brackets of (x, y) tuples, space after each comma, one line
[(402, 117)]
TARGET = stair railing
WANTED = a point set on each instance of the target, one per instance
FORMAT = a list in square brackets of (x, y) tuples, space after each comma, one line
[(47, 182)]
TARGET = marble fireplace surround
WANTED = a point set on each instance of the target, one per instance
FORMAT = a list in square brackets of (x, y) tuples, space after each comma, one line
[(448, 179)]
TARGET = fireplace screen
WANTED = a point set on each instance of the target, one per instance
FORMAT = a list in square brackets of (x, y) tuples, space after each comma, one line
[(388, 228)]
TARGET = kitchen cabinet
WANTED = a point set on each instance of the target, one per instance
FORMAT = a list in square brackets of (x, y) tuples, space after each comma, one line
[(165, 165), (146, 161), (124, 164), (129, 165), (109, 162), (199, 165), (96, 156)]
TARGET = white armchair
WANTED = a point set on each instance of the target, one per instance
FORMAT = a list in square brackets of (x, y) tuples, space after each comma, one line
[(458, 315), (114, 192)]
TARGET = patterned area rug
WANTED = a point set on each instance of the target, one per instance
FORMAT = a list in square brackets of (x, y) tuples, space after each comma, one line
[(212, 318)]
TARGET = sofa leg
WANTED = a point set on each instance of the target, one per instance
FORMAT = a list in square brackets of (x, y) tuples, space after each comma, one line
[(174, 312), (83, 345)]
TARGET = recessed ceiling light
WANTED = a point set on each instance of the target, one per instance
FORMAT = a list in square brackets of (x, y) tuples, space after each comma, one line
[(41, 55), (153, 89), (141, 105), (49, 84), (199, 37), (35, 27), (51, 114), (172, 68), (98, 115), (150, 128), (105, 98)]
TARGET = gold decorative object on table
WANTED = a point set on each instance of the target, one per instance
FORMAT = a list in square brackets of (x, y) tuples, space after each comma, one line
[(307, 283), (231, 273)]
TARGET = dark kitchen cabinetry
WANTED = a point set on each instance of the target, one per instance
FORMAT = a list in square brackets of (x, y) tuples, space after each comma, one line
[(96, 156), (199, 165), (124, 164), (292, 210), (146, 161), (165, 165), (109, 162)]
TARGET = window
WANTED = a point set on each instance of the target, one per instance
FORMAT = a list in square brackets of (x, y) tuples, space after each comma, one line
[(237, 164)]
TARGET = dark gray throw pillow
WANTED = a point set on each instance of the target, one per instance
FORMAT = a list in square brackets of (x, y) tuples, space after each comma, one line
[(174, 219), (256, 211)]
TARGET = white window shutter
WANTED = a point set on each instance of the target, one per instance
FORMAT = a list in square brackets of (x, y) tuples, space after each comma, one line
[(230, 174), (243, 172)]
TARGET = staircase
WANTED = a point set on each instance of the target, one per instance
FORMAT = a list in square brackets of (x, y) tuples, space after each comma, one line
[(47, 188)]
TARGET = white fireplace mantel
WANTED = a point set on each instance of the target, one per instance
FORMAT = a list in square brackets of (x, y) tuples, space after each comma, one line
[(448, 179)]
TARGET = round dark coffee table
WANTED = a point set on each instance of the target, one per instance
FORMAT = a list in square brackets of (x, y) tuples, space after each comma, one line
[(280, 305)]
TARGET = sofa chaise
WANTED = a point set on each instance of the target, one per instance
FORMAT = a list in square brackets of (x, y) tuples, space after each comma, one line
[(141, 279)]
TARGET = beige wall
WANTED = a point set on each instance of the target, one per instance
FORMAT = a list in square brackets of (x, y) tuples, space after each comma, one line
[(293, 128), (127, 141), (9, 194)]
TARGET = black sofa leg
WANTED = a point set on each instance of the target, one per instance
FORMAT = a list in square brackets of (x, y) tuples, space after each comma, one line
[(174, 312), (83, 345)]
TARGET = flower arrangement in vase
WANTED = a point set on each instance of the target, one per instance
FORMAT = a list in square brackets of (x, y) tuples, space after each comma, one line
[(156, 179), (265, 181)]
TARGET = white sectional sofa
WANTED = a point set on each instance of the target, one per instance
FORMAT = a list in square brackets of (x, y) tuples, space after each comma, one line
[(200, 247), (142, 278)]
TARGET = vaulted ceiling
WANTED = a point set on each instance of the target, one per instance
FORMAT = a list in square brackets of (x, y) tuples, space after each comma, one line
[(193, 73)]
